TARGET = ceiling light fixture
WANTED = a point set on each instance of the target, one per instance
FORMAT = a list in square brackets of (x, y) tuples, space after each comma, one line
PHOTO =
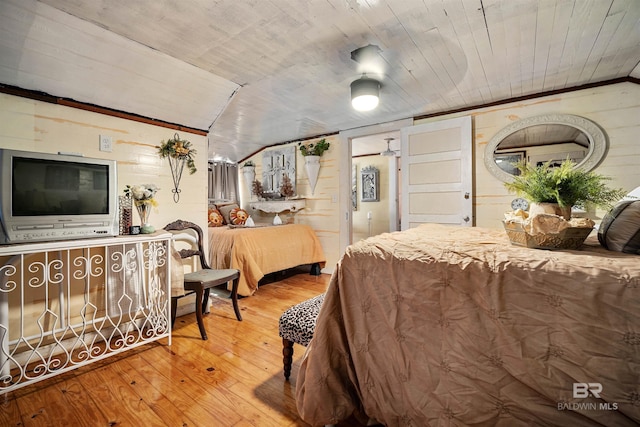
[(365, 93), (388, 152)]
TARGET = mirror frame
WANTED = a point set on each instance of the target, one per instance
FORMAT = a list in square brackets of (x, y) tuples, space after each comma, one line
[(598, 143)]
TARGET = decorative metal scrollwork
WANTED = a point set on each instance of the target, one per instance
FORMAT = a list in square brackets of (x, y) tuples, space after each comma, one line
[(64, 308)]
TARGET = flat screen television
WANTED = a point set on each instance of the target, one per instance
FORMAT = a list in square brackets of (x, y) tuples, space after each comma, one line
[(56, 196)]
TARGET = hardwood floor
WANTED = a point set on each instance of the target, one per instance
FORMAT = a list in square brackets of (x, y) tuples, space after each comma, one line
[(233, 379)]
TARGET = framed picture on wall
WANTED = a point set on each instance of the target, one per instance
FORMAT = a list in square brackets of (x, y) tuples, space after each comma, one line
[(507, 161), (369, 184), (276, 163)]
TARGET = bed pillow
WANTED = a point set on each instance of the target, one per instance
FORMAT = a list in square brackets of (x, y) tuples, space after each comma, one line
[(620, 228), (238, 216), (214, 218), (226, 211)]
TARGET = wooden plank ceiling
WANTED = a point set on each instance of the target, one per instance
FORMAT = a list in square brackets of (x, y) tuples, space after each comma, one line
[(260, 72)]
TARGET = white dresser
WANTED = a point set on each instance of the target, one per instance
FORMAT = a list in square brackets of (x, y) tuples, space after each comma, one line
[(65, 304)]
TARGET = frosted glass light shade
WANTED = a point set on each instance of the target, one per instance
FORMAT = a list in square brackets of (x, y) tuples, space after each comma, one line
[(365, 94)]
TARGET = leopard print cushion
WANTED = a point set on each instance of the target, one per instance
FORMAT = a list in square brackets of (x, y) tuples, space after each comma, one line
[(298, 323)]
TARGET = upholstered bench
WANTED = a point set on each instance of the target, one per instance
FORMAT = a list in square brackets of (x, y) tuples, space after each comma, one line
[(296, 326)]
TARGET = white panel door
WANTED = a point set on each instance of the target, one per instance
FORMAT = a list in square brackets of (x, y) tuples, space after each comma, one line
[(437, 174)]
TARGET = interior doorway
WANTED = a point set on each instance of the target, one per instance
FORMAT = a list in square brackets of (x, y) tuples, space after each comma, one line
[(375, 156), (346, 169)]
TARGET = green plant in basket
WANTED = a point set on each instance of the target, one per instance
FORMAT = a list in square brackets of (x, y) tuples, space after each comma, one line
[(565, 185), (311, 149)]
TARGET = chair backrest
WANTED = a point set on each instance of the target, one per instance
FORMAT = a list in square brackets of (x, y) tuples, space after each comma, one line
[(180, 225)]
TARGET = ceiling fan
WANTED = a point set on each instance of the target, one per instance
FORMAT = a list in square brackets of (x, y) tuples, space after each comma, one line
[(388, 152)]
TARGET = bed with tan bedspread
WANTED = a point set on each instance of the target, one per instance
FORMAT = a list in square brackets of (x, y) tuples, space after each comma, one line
[(448, 326), (257, 251)]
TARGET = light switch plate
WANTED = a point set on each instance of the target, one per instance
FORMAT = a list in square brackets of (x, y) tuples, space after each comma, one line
[(106, 143)]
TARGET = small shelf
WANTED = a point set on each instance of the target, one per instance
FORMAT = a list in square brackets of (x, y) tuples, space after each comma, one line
[(278, 206)]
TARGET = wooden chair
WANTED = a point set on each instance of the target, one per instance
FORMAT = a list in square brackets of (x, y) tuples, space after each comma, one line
[(201, 281)]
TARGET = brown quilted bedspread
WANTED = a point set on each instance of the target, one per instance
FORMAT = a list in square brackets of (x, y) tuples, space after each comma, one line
[(449, 326)]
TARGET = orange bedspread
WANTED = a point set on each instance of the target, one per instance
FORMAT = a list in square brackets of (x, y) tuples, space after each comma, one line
[(450, 326), (262, 250)]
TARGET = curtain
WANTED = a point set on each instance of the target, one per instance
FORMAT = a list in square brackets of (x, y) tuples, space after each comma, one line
[(223, 181)]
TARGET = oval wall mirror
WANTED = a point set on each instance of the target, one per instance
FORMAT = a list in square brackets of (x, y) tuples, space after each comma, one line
[(548, 137)]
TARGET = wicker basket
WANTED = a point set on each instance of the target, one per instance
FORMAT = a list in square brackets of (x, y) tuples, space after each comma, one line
[(569, 238)]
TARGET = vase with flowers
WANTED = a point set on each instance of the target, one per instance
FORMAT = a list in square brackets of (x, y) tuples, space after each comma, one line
[(312, 153), (143, 197)]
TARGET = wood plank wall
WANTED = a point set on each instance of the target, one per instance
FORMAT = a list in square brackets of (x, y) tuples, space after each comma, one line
[(615, 108), (321, 212), (34, 125)]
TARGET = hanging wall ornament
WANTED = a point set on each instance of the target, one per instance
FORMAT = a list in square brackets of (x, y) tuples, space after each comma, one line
[(249, 172), (312, 153), (179, 153), (312, 166)]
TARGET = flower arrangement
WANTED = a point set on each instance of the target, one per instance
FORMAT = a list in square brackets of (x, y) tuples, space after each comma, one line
[(177, 148), (142, 194), (565, 185), (312, 149), (256, 188), (286, 188)]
